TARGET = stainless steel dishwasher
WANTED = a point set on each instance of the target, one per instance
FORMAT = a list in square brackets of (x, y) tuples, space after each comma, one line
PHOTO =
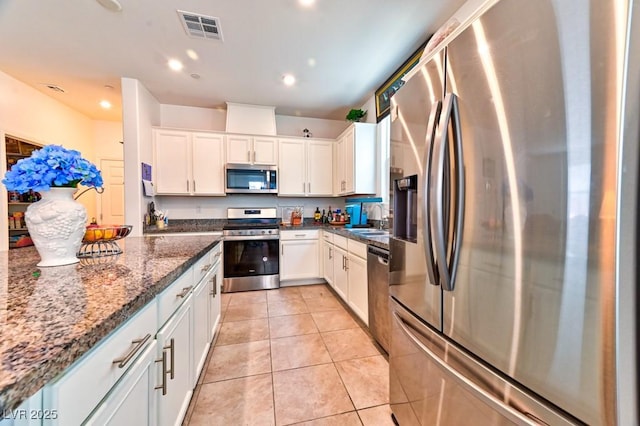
[(379, 313)]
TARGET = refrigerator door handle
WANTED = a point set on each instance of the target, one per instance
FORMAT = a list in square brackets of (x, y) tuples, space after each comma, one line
[(451, 100), (486, 397), (447, 266), (427, 238)]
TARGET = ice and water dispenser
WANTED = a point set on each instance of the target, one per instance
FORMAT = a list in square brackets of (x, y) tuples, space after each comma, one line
[(405, 208)]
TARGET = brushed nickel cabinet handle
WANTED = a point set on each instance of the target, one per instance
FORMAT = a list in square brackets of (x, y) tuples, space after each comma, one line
[(187, 185), (184, 292), (249, 156), (163, 360), (206, 267), (138, 344), (214, 281), (330, 253), (194, 186), (171, 348)]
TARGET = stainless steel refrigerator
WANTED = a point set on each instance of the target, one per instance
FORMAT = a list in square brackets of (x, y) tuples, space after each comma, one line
[(514, 237)]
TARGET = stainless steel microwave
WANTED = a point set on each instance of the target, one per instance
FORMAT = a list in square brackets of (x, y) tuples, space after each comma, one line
[(252, 179)]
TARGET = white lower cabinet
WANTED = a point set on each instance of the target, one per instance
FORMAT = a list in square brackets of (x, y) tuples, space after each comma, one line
[(358, 287), (328, 252), (132, 401), (201, 309), (75, 393), (299, 255), (340, 277), (174, 369), (132, 378), (350, 275)]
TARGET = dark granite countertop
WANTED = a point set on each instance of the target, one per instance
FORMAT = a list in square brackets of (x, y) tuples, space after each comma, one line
[(49, 317), (215, 225)]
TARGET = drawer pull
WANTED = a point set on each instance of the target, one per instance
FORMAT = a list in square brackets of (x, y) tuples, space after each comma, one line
[(206, 267), (163, 360), (171, 348), (184, 292), (301, 235), (139, 343)]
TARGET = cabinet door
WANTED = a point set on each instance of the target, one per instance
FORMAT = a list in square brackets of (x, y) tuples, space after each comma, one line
[(349, 161), (215, 300), (132, 401), (239, 149), (328, 252), (340, 283), (299, 259), (265, 150), (208, 164), (358, 291), (201, 306), (319, 167), (292, 173), (340, 170), (174, 344), (172, 159)]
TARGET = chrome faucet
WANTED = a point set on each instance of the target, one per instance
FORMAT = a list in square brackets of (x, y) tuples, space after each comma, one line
[(382, 220)]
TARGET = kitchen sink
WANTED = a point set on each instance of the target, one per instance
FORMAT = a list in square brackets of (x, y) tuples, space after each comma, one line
[(369, 232)]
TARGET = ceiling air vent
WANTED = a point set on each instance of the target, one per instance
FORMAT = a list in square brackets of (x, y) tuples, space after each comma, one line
[(53, 87), (200, 26)]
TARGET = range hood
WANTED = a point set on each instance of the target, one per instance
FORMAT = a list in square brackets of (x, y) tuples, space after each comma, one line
[(251, 119)]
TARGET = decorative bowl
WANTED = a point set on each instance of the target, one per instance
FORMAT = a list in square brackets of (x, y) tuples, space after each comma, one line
[(95, 234)]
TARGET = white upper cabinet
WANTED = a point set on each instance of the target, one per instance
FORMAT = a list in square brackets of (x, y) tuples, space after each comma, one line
[(305, 167), (188, 163), (355, 160), (247, 149)]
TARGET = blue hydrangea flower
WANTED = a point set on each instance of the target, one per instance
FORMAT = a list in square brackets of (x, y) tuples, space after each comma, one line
[(50, 166)]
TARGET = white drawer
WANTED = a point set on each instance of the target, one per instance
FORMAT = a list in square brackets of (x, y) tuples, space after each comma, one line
[(303, 234), (79, 389), (173, 296), (359, 249), (340, 241), (202, 266), (327, 236)]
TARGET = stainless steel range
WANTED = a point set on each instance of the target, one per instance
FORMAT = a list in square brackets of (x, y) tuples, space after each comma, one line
[(251, 250)]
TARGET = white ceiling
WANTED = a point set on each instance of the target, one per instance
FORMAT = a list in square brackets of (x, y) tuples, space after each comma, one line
[(339, 51)]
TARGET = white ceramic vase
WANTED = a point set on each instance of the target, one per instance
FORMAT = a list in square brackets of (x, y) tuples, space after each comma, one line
[(56, 225)]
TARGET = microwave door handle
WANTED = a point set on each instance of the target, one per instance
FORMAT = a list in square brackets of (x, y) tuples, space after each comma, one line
[(427, 237)]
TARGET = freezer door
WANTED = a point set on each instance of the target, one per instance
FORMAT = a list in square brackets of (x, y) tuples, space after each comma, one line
[(414, 111), (534, 291), (434, 383)]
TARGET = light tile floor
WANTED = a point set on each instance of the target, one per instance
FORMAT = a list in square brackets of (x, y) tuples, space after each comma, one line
[(293, 355)]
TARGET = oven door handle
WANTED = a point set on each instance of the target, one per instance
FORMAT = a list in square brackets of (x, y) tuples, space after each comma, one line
[(250, 237)]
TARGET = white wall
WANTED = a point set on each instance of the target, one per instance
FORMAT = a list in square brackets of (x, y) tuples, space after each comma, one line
[(216, 207), (140, 111), (29, 114), (108, 140), (193, 118), (287, 125)]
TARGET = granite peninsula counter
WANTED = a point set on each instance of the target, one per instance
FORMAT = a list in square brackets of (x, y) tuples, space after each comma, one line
[(50, 317)]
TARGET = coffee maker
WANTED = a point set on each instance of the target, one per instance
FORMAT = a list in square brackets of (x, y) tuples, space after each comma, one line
[(356, 211)]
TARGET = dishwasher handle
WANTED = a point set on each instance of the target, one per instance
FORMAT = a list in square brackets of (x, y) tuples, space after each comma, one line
[(379, 252)]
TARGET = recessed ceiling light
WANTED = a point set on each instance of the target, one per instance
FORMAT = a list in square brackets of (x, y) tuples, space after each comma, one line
[(311, 62), (192, 54), (112, 5), (105, 104), (288, 80), (306, 3), (175, 65)]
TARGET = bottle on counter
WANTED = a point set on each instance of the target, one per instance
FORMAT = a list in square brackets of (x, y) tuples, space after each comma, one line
[(323, 218), (330, 215), (317, 215)]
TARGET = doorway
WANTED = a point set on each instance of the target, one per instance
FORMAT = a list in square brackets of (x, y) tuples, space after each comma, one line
[(111, 201)]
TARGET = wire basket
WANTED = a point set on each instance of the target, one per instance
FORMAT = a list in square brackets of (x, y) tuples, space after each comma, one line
[(100, 242)]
